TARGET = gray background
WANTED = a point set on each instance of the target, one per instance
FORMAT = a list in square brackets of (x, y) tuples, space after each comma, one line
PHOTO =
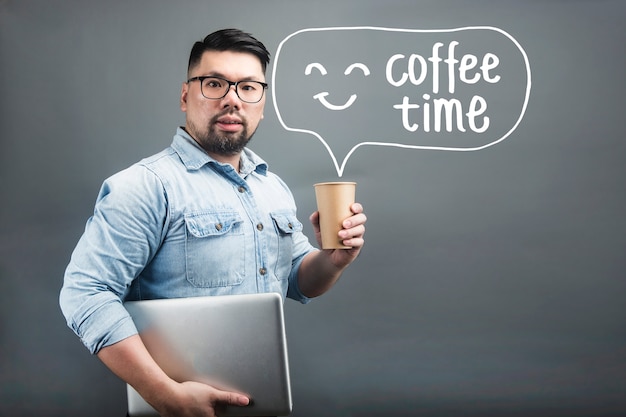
[(492, 283)]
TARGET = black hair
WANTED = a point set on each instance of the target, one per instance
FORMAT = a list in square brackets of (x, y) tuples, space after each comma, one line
[(229, 40)]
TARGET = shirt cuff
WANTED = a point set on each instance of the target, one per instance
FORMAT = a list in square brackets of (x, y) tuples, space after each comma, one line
[(107, 324), (293, 291)]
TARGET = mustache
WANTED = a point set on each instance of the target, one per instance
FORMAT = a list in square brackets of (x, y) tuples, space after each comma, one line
[(228, 112)]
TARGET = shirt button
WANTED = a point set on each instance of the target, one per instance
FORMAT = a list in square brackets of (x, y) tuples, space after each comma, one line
[(242, 189), (262, 271), (259, 226), (218, 226), (290, 225)]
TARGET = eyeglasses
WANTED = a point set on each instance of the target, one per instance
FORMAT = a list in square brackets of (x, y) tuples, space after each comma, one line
[(215, 88)]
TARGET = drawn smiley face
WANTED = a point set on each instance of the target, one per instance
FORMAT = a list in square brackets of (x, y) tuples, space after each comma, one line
[(321, 97)]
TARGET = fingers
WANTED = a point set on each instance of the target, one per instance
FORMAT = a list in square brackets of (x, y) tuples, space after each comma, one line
[(232, 398), (353, 237), (315, 218), (356, 219), (356, 208), (353, 227)]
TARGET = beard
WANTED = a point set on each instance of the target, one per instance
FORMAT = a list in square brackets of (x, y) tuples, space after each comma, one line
[(220, 143)]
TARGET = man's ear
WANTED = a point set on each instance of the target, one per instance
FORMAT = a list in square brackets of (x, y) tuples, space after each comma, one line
[(183, 97)]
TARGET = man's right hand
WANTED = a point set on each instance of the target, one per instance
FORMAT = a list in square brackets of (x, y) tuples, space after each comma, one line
[(195, 399), (130, 360)]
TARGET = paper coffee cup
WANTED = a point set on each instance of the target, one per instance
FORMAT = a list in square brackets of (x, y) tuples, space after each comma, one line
[(333, 203)]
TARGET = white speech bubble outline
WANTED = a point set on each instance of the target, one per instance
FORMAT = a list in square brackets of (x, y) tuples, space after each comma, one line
[(399, 145)]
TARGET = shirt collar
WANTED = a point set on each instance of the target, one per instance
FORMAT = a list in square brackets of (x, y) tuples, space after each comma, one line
[(194, 157)]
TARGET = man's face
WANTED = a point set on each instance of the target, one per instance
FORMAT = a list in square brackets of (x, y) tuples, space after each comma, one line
[(222, 126)]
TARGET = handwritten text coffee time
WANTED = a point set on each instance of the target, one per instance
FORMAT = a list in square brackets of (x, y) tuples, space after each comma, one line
[(415, 70)]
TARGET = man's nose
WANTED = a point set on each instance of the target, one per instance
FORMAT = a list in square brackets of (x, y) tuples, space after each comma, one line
[(231, 98)]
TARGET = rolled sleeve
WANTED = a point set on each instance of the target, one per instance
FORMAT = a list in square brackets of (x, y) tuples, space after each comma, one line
[(101, 321), (119, 240), (302, 247)]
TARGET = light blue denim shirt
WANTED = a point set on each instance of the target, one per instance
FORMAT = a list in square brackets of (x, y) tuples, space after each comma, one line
[(180, 224)]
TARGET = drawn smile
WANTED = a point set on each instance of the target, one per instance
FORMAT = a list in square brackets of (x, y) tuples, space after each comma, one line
[(322, 99)]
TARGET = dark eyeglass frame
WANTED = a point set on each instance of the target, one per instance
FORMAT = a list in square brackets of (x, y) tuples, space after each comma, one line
[(201, 78)]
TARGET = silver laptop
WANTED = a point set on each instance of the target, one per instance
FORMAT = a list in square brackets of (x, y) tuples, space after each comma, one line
[(232, 342)]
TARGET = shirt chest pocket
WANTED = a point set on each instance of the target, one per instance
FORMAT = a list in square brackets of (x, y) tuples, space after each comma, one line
[(215, 249)]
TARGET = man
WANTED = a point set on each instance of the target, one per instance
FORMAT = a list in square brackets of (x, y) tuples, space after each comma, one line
[(202, 217)]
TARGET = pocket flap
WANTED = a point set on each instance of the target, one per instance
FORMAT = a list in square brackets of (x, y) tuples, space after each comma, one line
[(286, 222), (211, 224)]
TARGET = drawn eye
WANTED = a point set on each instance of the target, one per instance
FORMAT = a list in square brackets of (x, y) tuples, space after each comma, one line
[(317, 66), (362, 67)]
